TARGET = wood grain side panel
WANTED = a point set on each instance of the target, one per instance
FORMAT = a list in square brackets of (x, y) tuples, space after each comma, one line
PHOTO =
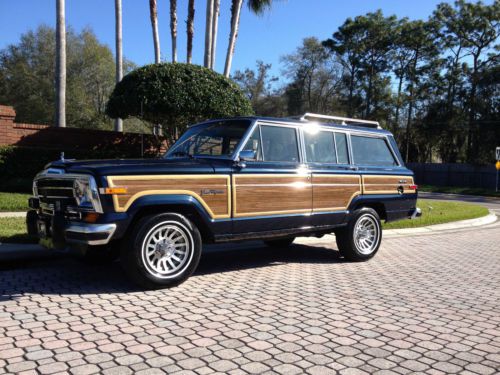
[(255, 195), (334, 192), (387, 184), (211, 191)]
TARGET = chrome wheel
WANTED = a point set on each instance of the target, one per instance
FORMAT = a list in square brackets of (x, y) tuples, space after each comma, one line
[(167, 249), (366, 234)]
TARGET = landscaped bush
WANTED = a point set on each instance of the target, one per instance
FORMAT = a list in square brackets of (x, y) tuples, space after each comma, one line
[(175, 95)]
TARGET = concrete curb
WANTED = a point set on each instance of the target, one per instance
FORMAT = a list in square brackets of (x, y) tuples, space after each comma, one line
[(13, 214), (455, 225)]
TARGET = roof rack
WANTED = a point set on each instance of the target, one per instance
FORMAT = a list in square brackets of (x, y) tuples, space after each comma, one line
[(342, 120)]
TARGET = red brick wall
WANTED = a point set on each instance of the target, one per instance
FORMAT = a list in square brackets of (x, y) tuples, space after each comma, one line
[(49, 137)]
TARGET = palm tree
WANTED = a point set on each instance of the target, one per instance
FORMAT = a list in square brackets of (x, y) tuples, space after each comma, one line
[(119, 54), (60, 65), (154, 24), (208, 33), (257, 7), (215, 24), (190, 31), (173, 28)]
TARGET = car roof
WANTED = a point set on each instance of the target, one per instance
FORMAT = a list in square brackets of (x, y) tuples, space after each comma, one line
[(301, 122)]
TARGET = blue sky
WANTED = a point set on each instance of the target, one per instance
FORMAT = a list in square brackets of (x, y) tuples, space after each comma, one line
[(278, 32)]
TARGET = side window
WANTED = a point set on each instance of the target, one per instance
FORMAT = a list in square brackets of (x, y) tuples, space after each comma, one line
[(253, 144), (279, 144), (320, 147), (371, 151), (342, 152)]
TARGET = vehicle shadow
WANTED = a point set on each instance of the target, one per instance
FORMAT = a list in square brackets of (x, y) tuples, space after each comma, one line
[(65, 274)]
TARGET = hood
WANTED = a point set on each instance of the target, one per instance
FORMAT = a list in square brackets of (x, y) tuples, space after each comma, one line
[(114, 167)]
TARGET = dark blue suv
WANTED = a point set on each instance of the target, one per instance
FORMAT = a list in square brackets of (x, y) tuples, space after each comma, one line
[(228, 180)]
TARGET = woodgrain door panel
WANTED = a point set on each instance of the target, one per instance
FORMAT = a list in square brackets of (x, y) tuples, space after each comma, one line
[(334, 192), (271, 194)]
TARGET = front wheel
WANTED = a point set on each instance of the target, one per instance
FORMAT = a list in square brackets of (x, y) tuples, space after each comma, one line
[(163, 250), (361, 238)]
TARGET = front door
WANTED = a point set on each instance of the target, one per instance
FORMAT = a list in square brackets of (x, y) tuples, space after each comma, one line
[(272, 192)]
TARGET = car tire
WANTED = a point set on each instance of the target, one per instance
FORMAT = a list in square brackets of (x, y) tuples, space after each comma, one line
[(282, 242), (162, 251), (361, 238)]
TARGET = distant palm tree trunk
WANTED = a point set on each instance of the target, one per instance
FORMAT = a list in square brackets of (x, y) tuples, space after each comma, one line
[(208, 34), (173, 28), (154, 24), (190, 31), (215, 24), (119, 53), (60, 65), (235, 22)]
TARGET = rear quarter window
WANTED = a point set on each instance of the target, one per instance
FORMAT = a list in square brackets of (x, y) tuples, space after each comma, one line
[(372, 151)]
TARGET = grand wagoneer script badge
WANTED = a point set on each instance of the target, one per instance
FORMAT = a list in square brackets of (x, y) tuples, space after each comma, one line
[(212, 192)]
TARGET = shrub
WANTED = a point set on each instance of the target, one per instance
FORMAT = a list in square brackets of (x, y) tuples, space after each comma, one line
[(175, 95)]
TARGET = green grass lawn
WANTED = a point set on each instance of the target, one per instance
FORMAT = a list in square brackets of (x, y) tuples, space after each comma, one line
[(13, 230), (10, 202), (458, 190), (440, 212)]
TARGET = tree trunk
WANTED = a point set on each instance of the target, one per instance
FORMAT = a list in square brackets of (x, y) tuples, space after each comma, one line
[(60, 65), (208, 33), (119, 54), (173, 28), (472, 112), (215, 24), (235, 22), (154, 24), (410, 107), (398, 102), (190, 31)]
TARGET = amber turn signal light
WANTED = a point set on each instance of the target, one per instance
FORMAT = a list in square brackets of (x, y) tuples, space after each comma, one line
[(91, 217), (115, 190)]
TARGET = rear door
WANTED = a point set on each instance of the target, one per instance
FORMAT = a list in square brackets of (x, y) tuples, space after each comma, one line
[(272, 192), (335, 182)]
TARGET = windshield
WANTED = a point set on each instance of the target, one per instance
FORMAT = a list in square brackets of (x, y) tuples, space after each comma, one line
[(219, 138)]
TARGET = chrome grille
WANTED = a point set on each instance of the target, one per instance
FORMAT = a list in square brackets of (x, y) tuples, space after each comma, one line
[(55, 192)]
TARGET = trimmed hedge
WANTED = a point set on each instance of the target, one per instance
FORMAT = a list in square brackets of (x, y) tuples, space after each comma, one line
[(176, 95), (18, 165)]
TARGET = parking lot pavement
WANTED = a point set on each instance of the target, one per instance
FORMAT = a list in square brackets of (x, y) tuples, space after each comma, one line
[(426, 304)]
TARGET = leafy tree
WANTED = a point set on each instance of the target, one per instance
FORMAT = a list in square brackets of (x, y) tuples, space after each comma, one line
[(176, 95), (475, 28), (27, 78), (315, 76), (257, 86)]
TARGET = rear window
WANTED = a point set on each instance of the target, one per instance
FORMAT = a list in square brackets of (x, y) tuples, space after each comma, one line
[(371, 151)]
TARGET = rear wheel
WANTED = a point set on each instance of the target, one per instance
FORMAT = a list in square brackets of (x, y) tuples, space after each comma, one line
[(163, 250), (361, 239), (282, 242)]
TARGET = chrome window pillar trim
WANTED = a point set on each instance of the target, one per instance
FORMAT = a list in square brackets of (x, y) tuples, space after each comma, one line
[(236, 154)]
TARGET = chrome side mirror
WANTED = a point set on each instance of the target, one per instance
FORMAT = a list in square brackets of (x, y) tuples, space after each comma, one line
[(245, 155)]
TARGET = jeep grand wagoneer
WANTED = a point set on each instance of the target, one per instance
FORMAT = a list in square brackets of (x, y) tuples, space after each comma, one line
[(228, 180)]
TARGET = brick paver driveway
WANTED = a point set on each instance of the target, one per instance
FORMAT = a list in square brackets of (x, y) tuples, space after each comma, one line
[(424, 304)]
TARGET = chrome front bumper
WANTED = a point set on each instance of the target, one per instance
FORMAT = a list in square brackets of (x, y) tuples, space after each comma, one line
[(417, 212), (90, 234)]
